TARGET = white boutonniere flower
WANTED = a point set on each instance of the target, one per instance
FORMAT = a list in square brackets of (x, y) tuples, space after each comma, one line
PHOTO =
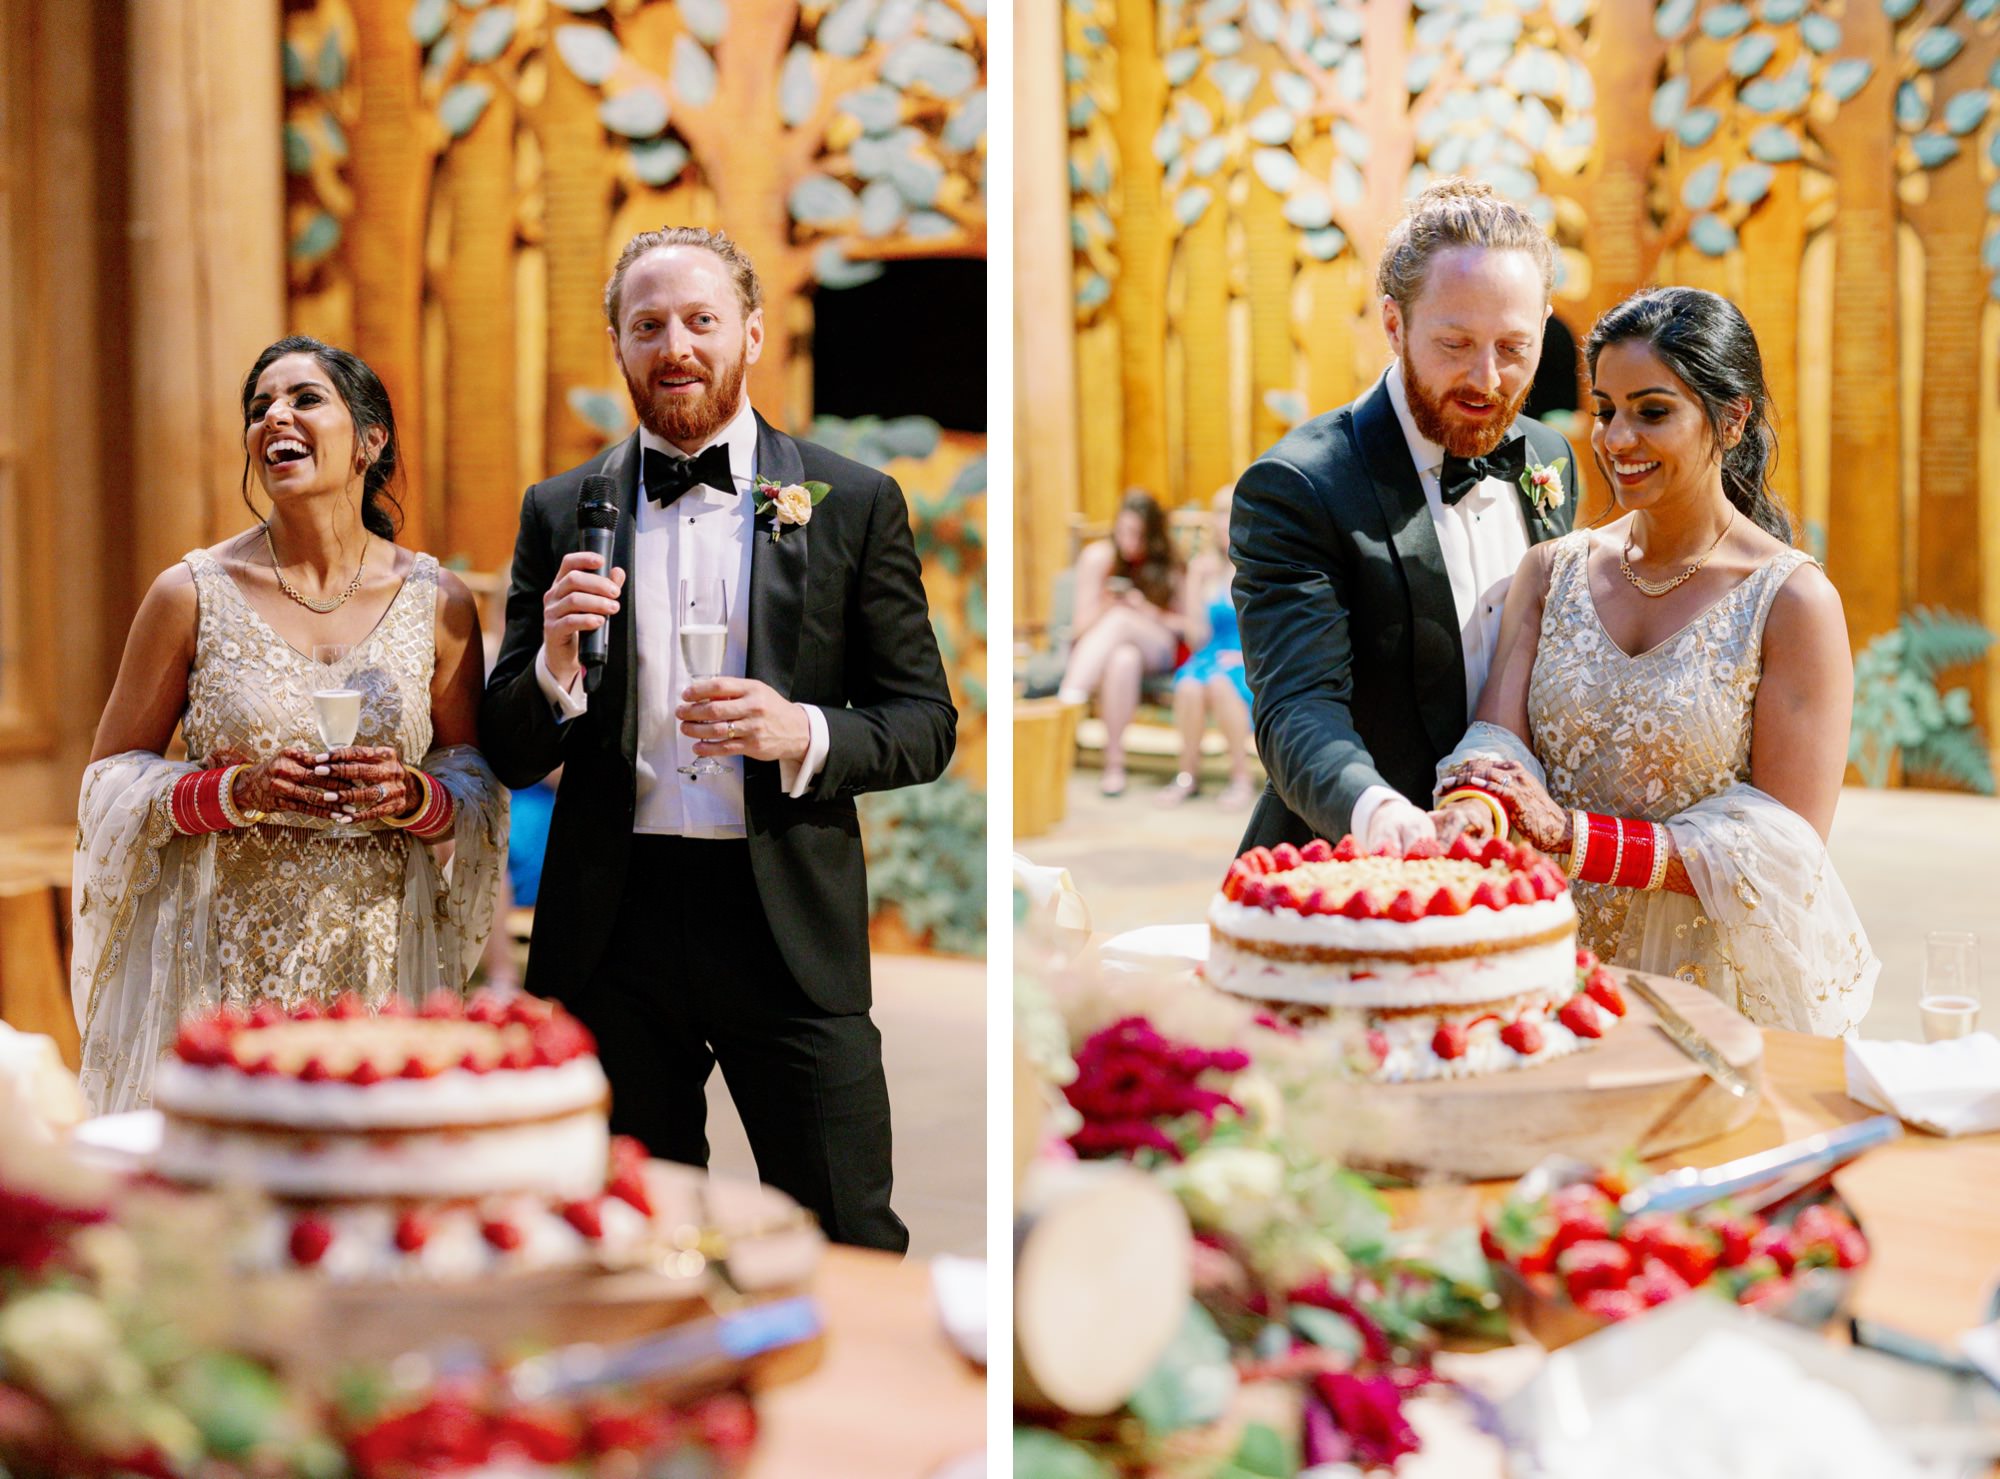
[(788, 503), (1543, 483)]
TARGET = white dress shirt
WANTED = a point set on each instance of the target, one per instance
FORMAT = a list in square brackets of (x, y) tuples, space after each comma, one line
[(1484, 537), (702, 537)]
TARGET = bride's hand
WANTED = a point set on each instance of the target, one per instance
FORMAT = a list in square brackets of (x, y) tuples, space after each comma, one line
[(1536, 816), (288, 781)]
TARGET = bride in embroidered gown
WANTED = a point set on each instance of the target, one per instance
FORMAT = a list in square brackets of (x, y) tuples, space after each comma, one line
[(1683, 665), (224, 880)]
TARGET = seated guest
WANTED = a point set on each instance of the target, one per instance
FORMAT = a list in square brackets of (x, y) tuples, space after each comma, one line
[(1211, 682), (1127, 622)]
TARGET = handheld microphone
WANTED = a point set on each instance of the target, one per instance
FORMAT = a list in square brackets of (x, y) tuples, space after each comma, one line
[(597, 530)]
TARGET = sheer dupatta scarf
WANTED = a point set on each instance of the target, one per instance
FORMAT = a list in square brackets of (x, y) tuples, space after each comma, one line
[(143, 927)]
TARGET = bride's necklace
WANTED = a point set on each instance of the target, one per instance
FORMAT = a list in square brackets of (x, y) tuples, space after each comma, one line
[(1661, 587), (322, 607)]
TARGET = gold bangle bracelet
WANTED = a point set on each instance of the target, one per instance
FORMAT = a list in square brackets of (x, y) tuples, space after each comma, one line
[(1579, 844), (238, 816), (1660, 844), (1492, 804), (423, 805)]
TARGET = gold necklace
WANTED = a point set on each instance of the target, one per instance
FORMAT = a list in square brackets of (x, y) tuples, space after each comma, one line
[(1661, 587), (322, 607)]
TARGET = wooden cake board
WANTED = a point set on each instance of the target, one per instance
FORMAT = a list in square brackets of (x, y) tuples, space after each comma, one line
[(1633, 1089)]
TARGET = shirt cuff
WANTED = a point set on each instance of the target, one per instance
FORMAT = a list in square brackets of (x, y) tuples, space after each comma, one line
[(1365, 808), (795, 777), (567, 705)]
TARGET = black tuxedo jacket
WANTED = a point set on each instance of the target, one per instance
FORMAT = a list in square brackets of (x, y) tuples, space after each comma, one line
[(1350, 639), (837, 618)]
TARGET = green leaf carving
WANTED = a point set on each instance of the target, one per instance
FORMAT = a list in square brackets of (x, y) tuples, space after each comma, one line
[(658, 161), (636, 113), (320, 235), (798, 86), (590, 53), (428, 19), (461, 106), (694, 72), (332, 63), (491, 34), (707, 19)]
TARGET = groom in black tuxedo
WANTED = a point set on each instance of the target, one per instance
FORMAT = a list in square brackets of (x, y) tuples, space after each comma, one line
[(722, 919), (1374, 544)]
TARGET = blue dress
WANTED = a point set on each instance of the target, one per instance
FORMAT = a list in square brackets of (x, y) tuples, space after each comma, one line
[(1222, 652)]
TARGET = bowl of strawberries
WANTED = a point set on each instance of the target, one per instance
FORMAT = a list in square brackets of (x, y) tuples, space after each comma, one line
[(1568, 1261)]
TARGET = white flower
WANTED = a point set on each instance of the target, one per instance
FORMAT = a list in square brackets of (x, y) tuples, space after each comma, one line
[(1221, 1182), (793, 504), (61, 1342)]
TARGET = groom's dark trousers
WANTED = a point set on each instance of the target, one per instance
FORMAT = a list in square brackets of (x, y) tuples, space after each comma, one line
[(682, 954), (1351, 642)]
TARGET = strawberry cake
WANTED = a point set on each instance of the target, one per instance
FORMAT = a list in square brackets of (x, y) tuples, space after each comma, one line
[(462, 1140), (1440, 963)]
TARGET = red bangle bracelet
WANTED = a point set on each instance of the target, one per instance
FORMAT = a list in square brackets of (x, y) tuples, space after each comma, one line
[(195, 803), (1623, 852), (435, 819)]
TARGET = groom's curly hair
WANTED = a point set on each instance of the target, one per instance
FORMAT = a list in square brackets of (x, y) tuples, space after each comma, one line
[(743, 275), (1456, 212)]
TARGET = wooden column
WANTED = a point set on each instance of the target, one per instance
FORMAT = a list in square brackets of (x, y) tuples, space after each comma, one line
[(1046, 450), (206, 230), (1864, 521), (1145, 235), (482, 484)]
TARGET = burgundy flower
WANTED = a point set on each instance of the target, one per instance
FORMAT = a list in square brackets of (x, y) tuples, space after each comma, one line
[(1368, 1412), (1374, 1341), (1129, 1078)]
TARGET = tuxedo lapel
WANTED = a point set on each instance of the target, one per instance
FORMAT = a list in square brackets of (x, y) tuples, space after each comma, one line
[(621, 465), (1437, 650), (777, 571)]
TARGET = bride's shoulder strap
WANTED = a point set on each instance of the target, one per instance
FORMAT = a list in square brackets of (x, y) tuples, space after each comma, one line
[(1777, 570)]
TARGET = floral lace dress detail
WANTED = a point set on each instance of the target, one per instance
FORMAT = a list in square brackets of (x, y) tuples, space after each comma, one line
[(1645, 736), (298, 916)]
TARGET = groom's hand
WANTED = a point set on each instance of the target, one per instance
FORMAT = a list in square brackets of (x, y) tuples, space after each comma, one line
[(741, 716), (1397, 825)]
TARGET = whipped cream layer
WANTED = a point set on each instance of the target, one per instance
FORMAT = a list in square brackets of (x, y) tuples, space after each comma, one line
[(563, 1156), (1250, 954), (455, 1097)]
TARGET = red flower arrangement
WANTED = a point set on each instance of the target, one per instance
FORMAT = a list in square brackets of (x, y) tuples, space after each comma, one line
[(1129, 1079)]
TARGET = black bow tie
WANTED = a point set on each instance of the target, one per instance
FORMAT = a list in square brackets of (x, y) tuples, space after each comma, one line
[(667, 476), (1462, 474)]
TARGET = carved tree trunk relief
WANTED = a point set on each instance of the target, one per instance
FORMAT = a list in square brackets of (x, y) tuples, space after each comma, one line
[(1864, 536), (1144, 234), (576, 224), (391, 164), (481, 482)]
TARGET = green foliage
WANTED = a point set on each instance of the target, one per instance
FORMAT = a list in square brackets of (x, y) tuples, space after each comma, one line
[(1264, 1453), (1194, 1380), (926, 849), (1040, 1454), (1900, 713)]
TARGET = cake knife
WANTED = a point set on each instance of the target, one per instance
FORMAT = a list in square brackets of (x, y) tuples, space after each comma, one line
[(1685, 1036)]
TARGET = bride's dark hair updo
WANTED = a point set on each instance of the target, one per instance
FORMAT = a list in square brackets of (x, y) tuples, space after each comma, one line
[(1707, 343), (367, 402)]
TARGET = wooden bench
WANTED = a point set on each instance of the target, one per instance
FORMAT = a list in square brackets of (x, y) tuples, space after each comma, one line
[(34, 935)]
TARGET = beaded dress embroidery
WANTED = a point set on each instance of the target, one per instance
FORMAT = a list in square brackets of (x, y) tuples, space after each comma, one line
[(1643, 736), (298, 916)]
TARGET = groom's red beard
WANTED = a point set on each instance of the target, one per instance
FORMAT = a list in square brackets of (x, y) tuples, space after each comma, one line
[(687, 421), (1437, 423)]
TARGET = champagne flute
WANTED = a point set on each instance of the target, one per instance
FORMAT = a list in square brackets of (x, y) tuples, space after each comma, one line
[(1949, 1002), (704, 636), (337, 707)]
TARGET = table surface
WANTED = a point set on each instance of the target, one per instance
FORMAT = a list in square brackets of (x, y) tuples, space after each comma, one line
[(890, 1399)]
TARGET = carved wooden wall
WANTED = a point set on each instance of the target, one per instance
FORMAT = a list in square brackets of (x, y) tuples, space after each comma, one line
[(1830, 165)]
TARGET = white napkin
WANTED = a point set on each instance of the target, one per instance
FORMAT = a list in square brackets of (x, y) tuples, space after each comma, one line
[(960, 1287), (1056, 910), (1949, 1088)]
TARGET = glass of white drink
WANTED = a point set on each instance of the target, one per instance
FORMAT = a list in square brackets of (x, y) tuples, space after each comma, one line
[(704, 635), (1949, 1002), (337, 707)]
